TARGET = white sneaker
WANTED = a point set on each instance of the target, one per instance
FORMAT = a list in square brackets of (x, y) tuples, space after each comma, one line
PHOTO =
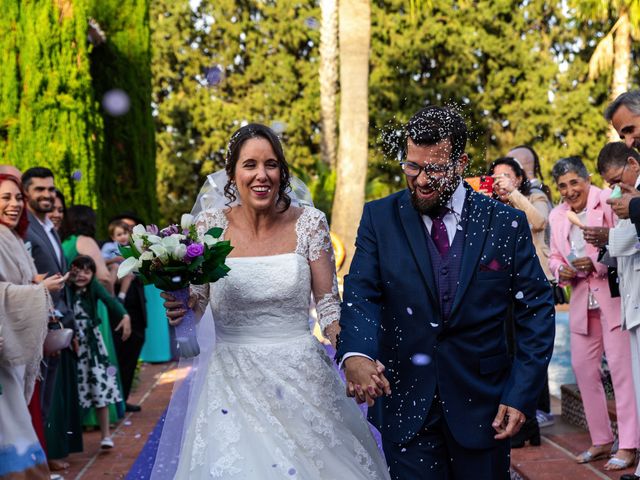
[(106, 443)]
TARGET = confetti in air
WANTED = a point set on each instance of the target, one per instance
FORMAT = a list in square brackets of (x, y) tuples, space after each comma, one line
[(421, 359), (116, 102)]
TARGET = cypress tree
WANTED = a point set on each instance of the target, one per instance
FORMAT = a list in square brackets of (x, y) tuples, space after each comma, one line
[(125, 170)]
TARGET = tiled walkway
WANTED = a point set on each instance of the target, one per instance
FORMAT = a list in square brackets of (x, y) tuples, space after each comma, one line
[(130, 435), (551, 461)]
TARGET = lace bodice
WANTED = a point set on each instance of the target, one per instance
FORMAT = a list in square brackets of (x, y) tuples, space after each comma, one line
[(286, 280)]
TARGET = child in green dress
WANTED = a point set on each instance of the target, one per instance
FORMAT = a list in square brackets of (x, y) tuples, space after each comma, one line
[(97, 380)]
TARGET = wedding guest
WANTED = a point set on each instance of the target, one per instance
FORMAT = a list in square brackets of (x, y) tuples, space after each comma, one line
[(78, 238), (24, 313), (594, 316), (119, 235), (46, 251), (130, 291), (59, 386), (512, 187), (59, 207), (97, 382), (530, 163), (619, 164)]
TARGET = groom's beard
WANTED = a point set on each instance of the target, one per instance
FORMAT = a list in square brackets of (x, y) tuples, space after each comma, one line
[(433, 207)]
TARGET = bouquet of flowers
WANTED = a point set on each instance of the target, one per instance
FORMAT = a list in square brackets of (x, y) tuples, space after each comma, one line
[(172, 259)]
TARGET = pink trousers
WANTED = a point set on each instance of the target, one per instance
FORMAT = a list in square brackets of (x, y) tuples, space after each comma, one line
[(586, 354)]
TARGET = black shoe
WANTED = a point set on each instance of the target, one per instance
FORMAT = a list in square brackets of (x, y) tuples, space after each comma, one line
[(629, 476), (129, 407), (530, 432)]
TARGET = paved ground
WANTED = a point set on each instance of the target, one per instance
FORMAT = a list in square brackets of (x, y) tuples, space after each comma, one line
[(551, 461), (130, 434)]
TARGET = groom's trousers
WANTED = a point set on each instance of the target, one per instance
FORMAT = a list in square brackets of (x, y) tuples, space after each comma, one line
[(433, 454)]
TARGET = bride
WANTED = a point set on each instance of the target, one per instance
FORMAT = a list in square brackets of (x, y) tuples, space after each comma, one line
[(271, 404)]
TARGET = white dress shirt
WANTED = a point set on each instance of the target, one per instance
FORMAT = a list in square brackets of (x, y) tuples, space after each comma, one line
[(450, 220), (48, 227)]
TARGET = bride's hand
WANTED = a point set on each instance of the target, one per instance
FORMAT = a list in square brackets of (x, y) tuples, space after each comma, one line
[(175, 309), (331, 332)]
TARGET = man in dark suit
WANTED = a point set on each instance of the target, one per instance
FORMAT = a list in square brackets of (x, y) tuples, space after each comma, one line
[(135, 303), (46, 250), (437, 270)]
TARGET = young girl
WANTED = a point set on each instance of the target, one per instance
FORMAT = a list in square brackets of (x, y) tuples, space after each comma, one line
[(97, 381)]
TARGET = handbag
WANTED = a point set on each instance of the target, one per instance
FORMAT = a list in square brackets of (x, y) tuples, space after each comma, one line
[(57, 340)]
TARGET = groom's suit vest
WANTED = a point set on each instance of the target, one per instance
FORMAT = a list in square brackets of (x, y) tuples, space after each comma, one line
[(446, 270)]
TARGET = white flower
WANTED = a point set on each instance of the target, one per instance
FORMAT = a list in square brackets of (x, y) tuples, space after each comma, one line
[(146, 256), (209, 241), (153, 239), (139, 244), (186, 221), (169, 244), (180, 251), (159, 251), (139, 230), (130, 265)]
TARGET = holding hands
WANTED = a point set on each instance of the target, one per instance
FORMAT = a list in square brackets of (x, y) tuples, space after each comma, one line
[(621, 205), (365, 379)]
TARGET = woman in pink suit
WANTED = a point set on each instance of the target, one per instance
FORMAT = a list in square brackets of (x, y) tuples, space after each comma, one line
[(594, 316)]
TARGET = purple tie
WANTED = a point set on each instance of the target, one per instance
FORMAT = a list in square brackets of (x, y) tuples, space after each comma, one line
[(439, 233)]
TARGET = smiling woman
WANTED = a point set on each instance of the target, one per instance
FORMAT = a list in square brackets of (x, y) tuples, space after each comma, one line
[(23, 325)]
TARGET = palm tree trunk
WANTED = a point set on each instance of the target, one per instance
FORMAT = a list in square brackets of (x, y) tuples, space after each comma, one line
[(621, 62), (328, 80), (351, 173)]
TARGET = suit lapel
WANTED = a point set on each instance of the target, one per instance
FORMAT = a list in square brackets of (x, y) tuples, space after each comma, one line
[(479, 214), (416, 235), (38, 230)]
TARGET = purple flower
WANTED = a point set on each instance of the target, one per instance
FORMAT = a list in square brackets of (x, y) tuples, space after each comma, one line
[(76, 175), (195, 250), (152, 229), (170, 230)]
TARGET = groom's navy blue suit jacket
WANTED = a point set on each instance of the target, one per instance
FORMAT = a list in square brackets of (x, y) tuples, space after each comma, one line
[(391, 312)]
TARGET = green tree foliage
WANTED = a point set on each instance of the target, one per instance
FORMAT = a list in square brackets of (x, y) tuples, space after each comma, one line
[(222, 63), (125, 170), (47, 113), (51, 82), (518, 69)]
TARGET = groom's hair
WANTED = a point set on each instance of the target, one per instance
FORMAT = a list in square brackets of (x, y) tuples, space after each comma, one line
[(434, 124)]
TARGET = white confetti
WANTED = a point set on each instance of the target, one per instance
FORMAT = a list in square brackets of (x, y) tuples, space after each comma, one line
[(434, 324), (519, 296), (514, 224), (409, 311)]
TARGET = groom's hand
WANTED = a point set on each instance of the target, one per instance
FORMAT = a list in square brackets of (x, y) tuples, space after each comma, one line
[(508, 422), (365, 379)]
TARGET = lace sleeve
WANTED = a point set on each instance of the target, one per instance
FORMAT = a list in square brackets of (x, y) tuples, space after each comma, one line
[(204, 221), (314, 230)]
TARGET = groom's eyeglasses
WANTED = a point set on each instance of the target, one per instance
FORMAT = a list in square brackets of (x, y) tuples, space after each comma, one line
[(411, 169)]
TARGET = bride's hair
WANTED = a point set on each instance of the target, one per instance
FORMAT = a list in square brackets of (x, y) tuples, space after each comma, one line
[(256, 130)]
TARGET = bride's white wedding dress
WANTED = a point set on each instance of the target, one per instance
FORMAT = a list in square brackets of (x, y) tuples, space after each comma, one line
[(273, 405)]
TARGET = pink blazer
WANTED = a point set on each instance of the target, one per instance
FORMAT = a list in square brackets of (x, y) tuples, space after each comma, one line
[(599, 214)]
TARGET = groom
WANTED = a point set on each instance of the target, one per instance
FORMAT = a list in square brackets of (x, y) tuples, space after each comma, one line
[(437, 271)]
